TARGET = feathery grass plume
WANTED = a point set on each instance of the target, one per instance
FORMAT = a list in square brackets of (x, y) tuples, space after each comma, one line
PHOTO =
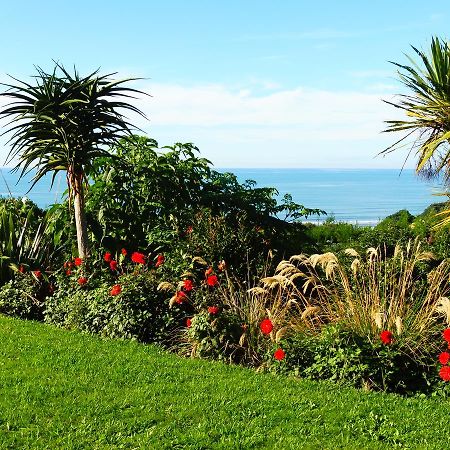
[(399, 293), (443, 309), (165, 286), (199, 260), (351, 252)]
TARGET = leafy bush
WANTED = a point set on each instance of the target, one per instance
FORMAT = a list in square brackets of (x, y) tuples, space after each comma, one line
[(126, 305), (149, 197), (24, 296), (338, 354)]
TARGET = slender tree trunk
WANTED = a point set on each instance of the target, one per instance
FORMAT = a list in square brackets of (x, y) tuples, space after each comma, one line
[(76, 180)]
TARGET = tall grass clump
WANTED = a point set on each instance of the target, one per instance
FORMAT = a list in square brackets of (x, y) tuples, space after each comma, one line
[(371, 292)]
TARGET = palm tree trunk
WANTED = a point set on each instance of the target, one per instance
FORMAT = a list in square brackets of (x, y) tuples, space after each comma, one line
[(76, 180)]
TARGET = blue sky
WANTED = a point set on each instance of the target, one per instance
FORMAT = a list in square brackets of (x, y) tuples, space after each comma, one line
[(252, 83)]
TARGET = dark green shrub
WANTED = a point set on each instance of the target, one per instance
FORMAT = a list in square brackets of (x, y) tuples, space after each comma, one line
[(139, 311), (215, 335), (339, 355), (24, 296)]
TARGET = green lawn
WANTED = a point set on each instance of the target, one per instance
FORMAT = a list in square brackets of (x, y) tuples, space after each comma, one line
[(61, 389)]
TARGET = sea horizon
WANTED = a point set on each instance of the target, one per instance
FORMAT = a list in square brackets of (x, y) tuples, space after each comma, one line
[(359, 196)]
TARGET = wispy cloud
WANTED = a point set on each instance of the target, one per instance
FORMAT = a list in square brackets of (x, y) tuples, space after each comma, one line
[(299, 127)]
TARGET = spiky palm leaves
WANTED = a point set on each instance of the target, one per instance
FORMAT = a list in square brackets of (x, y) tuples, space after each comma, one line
[(428, 108), (64, 122)]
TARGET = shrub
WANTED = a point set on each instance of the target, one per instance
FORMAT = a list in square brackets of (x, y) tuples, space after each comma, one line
[(24, 296), (340, 355), (126, 307)]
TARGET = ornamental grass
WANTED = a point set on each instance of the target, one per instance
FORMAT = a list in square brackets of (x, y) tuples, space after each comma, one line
[(405, 293)]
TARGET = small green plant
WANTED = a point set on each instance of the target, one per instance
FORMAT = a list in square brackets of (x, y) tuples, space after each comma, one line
[(24, 295)]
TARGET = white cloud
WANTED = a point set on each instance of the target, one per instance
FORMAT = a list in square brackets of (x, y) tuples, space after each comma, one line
[(299, 127)]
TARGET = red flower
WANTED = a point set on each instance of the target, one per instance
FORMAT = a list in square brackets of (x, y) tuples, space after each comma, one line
[(180, 297), (386, 337), (208, 272), (113, 265), (107, 257), (446, 335), (213, 310), (78, 261), (37, 274), (189, 229), (279, 354), (266, 326), (444, 373), (116, 289), (68, 272), (68, 265), (82, 281), (212, 281), (188, 323), (138, 258), (22, 269), (160, 260), (124, 252), (188, 285), (444, 358)]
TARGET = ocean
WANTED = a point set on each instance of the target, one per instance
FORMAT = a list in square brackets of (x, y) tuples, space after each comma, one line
[(363, 196)]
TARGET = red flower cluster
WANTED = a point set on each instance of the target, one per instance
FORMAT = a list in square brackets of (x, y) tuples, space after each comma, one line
[(113, 265), (116, 290), (160, 260), (138, 258), (188, 285), (444, 373), (78, 261), (82, 281), (37, 274), (180, 297), (68, 265), (444, 358), (68, 272), (279, 354), (107, 257), (213, 310), (21, 269), (446, 335), (386, 337), (212, 281), (188, 322), (124, 252), (266, 326), (208, 272)]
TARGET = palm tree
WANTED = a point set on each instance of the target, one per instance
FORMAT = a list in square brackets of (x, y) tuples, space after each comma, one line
[(428, 109), (64, 122)]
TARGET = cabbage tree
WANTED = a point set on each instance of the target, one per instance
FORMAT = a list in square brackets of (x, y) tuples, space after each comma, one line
[(426, 128), (63, 122)]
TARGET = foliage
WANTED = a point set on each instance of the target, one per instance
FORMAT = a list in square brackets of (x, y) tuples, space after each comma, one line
[(24, 296), (24, 238), (338, 354), (215, 336), (138, 311), (148, 197), (427, 106)]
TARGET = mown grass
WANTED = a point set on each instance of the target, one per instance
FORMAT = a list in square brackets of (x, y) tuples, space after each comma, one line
[(61, 389)]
